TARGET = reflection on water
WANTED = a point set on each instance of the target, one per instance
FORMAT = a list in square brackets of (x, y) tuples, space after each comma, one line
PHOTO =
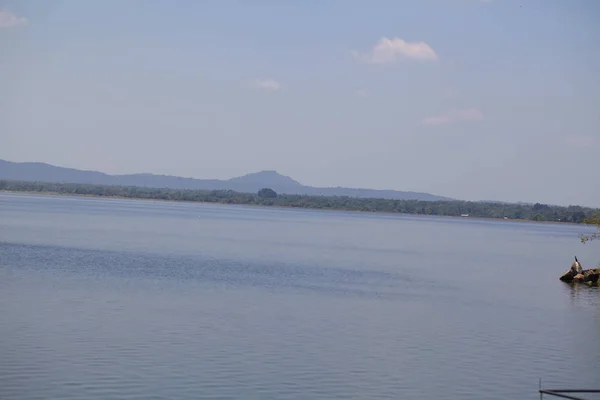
[(583, 295)]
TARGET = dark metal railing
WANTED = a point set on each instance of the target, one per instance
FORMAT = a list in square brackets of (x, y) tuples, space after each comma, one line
[(567, 393)]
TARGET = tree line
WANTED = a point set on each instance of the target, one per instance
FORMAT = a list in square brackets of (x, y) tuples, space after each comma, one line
[(267, 197)]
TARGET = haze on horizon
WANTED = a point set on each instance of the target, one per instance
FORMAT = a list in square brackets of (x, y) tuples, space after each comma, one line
[(470, 99)]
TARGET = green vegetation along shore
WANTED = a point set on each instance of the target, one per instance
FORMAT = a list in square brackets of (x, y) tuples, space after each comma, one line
[(534, 212)]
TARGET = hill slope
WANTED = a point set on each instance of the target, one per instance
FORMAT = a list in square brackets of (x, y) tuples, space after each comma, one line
[(250, 183)]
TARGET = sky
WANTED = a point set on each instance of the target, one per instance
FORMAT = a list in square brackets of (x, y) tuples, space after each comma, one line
[(471, 99)]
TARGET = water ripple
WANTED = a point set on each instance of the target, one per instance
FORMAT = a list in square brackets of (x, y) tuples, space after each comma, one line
[(99, 304)]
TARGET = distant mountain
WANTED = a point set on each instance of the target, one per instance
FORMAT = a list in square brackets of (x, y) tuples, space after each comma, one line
[(251, 183)]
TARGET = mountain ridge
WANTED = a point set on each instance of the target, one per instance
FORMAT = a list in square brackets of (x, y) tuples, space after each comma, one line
[(248, 183)]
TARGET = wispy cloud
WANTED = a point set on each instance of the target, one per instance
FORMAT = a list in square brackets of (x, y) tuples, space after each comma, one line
[(582, 141), (9, 20), (470, 114), (362, 93), (266, 84), (387, 51)]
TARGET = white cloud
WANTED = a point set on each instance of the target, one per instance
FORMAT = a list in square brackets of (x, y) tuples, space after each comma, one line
[(470, 114), (266, 84), (9, 20), (362, 93), (386, 51)]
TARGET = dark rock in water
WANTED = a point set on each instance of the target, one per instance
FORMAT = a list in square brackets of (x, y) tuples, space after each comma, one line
[(588, 276), (567, 277), (592, 276)]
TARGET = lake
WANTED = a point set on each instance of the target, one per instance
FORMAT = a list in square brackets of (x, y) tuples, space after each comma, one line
[(135, 299)]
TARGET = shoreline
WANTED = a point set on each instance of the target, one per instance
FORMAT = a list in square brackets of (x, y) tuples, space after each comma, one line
[(93, 196)]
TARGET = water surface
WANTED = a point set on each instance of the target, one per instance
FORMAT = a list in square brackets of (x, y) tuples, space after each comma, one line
[(127, 299)]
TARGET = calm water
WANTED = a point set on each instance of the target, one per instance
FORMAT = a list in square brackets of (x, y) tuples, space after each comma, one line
[(114, 299)]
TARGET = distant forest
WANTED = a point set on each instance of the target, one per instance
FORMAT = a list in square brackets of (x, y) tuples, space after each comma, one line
[(267, 197)]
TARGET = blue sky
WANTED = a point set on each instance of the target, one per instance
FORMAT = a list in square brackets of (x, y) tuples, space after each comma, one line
[(471, 99)]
